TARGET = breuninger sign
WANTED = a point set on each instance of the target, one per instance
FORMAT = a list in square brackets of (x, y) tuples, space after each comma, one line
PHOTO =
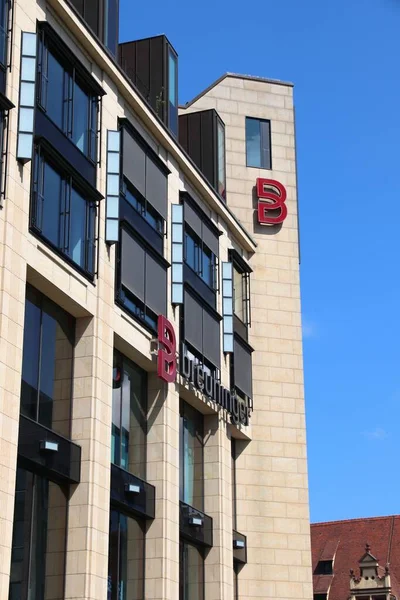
[(194, 374)]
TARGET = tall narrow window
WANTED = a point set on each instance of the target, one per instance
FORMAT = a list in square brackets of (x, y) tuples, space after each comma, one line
[(129, 422), (39, 537), (191, 456), (62, 215), (125, 558), (233, 480), (172, 93), (4, 16), (191, 576), (200, 258), (258, 143), (221, 160), (47, 363)]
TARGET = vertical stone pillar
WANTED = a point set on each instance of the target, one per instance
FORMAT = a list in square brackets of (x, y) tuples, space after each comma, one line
[(162, 539), (87, 547), (218, 505)]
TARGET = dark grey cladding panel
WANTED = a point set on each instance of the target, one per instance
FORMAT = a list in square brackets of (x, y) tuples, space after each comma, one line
[(156, 286), (242, 368), (210, 239), (134, 162), (193, 219), (193, 322), (156, 187), (132, 265), (211, 338)]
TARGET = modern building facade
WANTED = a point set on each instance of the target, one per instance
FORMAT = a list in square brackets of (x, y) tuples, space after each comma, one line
[(357, 559), (152, 409)]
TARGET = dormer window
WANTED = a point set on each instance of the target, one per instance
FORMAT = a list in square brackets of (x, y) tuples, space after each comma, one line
[(324, 567)]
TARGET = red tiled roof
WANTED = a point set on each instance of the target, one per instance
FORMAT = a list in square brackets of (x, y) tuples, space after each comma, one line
[(344, 542)]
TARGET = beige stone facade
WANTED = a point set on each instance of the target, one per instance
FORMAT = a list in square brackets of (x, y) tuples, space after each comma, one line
[(272, 495)]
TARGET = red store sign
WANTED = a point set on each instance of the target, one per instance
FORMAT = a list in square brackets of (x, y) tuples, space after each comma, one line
[(271, 199)]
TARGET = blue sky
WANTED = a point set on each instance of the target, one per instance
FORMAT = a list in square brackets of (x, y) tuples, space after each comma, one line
[(343, 57)]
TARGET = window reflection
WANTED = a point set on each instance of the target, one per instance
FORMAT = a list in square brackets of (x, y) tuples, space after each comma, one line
[(199, 257), (144, 209), (191, 584), (38, 543), (47, 363), (66, 101), (221, 160), (258, 143), (172, 93), (4, 11), (191, 456), (126, 558), (62, 215), (129, 420)]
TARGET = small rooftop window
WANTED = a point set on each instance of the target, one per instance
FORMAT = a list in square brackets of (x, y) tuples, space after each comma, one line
[(324, 567)]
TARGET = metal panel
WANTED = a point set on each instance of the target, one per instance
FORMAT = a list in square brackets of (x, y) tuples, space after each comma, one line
[(63, 466), (242, 368), (193, 219), (193, 322), (27, 96), (156, 286), (142, 503), (177, 254), (134, 162), (211, 339), (201, 534), (211, 239), (132, 265), (156, 187), (113, 178), (227, 306)]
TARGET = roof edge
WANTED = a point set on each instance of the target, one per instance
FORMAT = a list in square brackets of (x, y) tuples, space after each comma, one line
[(236, 76), (354, 520)]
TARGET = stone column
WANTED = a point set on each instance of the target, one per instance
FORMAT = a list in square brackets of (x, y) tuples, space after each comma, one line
[(218, 505), (162, 539), (87, 547)]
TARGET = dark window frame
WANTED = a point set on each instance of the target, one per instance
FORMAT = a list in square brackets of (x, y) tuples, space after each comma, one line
[(214, 369), (44, 153), (200, 434), (200, 249), (145, 206), (324, 567), (114, 558), (7, 27), (122, 294), (74, 73), (240, 265), (38, 299), (183, 570), (5, 107), (268, 166), (170, 52), (30, 512), (120, 361)]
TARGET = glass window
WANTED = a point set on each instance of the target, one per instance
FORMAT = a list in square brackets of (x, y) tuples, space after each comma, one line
[(80, 126), (125, 558), (53, 85), (4, 10), (191, 456), (39, 537), (144, 209), (191, 575), (129, 419), (241, 294), (46, 385), (233, 480), (199, 257), (66, 102), (258, 143), (221, 160), (172, 93), (62, 215)]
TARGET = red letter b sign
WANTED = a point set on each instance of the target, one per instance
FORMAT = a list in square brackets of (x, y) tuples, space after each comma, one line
[(271, 197), (166, 359)]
